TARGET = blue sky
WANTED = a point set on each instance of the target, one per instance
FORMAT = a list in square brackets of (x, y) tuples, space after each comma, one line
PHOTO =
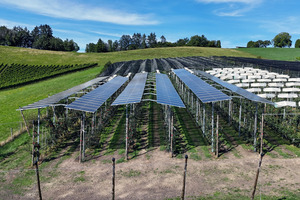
[(234, 22)]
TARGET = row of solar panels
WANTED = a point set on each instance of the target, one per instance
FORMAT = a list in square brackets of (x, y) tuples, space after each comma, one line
[(166, 93)]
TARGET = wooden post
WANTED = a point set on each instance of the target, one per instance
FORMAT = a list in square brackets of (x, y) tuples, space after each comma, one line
[(11, 132), (113, 179), (25, 122), (184, 178), (256, 177), (38, 179), (217, 137)]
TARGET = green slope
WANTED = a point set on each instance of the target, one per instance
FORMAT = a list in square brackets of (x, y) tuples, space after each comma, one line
[(11, 99), (287, 54), (40, 57)]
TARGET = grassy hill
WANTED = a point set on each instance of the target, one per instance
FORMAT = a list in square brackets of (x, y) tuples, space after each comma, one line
[(287, 54), (10, 55)]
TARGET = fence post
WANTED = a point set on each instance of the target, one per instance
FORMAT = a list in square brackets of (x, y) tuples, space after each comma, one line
[(256, 177), (184, 178), (113, 179), (38, 179), (11, 132)]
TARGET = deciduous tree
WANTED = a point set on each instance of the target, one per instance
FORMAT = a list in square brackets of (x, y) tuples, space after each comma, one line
[(282, 40)]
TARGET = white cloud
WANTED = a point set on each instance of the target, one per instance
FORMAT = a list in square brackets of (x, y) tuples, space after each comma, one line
[(230, 1), (107, 34), (234, 8), (289, 24), (68, 10), (11, 24)]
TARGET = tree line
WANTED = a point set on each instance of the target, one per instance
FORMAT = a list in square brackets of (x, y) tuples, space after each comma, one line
[(141, 41), (281, 40), (41, 37)]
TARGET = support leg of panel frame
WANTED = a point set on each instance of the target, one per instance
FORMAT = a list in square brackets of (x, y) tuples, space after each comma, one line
[(212, 127), (255, 127)]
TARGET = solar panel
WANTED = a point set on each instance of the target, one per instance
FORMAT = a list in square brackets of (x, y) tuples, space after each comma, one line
[(235, 89), (166, 93), (94, 99), (62, 95), (205, 92), (133, 93)]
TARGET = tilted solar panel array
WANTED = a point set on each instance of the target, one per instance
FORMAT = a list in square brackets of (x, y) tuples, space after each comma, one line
[(92, 101), (235, 89), (205, 92), (62, 95), (166, 93), (133, 93)]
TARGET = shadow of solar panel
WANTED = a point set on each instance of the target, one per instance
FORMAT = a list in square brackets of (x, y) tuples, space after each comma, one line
[(133, 93), (92, 101), (62, 95), (205, 92), (235, 89), (166, 93)]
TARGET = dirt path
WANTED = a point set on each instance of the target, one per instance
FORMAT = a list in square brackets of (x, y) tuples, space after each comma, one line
[(155, 175)]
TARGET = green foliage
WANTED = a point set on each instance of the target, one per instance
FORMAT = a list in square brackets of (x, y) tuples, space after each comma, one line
[(258, 44), (297, 44), (41, 37), (282, 40), (199, 41), (16, 74)]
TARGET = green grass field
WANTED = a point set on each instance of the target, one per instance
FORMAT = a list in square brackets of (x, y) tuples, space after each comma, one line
[(11, 99), (287, 54), (40, 57)]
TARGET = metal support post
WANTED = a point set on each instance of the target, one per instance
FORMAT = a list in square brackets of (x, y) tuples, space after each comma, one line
[(203, 123), (25, 122), (240, 117), (255, 127), (93, 123), (83, 137), (172, 134), (229, 111), (197, 111), (53, 108), (38, 128), (262, 134), (212, 127), (217, 137), (126, 150)]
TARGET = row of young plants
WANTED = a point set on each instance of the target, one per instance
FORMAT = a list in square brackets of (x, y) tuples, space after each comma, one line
[(17, 74)]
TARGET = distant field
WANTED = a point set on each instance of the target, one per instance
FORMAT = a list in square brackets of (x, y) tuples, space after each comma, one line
[(287, 54), (10, 55)]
